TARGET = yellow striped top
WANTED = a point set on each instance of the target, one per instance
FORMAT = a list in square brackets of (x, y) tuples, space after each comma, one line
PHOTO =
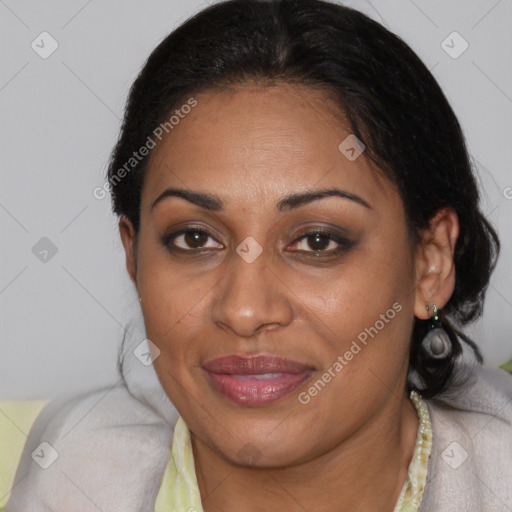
[(179, 490)]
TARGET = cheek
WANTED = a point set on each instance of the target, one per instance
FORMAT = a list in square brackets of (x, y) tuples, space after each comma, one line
[(174, 315), (364, 313), (171, 297), (176, 307), (354, 295)]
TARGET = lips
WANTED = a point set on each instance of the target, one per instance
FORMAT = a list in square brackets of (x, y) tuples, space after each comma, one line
[(256, 381), (257, 365)]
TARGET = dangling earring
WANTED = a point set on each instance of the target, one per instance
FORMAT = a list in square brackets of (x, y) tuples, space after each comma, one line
[(140, 299), (436, 342)]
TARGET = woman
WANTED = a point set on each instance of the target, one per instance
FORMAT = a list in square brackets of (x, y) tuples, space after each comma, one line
[(302, 226)]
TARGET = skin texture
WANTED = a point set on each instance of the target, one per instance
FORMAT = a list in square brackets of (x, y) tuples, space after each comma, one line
[(349, 447)]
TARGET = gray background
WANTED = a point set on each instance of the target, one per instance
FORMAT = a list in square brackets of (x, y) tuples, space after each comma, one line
[(61, 319)]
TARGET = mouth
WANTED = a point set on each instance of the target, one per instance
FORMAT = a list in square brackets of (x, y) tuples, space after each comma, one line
[(256, 381)]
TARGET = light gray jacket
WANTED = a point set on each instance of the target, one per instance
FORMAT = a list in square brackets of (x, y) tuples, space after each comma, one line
[(470, 466)]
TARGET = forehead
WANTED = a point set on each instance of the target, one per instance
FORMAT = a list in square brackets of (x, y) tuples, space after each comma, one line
[(260, 141)]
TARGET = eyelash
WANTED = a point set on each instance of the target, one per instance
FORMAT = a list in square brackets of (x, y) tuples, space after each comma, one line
[(344, 243)]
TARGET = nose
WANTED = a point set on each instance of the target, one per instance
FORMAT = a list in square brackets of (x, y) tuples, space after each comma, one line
[(252, 298)]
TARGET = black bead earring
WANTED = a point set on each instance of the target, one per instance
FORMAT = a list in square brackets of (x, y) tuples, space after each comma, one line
[(436, 342)]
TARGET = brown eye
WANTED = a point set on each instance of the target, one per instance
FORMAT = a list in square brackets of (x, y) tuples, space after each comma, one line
[(318, 241), (195, 239), (189, 239), (322, 243)]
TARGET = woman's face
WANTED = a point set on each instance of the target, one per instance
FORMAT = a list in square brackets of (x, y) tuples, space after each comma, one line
[(340, 304)]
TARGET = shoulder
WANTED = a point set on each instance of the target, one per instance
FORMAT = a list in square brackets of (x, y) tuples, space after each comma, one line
[(471, 460), (103, 446), (485, 397)]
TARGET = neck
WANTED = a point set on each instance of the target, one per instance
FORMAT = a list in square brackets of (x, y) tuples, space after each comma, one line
[(363, 473)]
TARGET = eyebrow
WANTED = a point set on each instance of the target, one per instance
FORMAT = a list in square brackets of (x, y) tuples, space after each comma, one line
[(214, 203)]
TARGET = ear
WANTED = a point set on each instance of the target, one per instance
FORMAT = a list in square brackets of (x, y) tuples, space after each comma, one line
[(129, 239), (435, 268)]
